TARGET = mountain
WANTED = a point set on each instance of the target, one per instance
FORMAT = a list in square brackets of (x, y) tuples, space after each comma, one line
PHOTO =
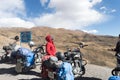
[(95, 53)]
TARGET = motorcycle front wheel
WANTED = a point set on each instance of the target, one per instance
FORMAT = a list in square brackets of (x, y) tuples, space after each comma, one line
[(78, 69), (82, 72)]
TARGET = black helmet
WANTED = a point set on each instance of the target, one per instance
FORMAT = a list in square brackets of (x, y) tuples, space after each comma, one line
[(16, 38), (60, 56)]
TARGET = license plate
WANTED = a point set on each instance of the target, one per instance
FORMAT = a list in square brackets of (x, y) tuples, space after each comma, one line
[(51, 75)]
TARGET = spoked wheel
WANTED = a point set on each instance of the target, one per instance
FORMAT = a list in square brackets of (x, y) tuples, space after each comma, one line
[(78, 69), (39, 52), (75, 68), (82, 72), (38, 58)]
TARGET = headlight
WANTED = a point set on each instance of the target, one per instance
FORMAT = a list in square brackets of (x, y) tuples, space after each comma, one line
[(77, 56)]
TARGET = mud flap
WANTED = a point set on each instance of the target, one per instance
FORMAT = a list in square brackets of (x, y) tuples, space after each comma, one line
[(18, 67)]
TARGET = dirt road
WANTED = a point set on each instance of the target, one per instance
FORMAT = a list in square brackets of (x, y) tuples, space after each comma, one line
[(93, 72)]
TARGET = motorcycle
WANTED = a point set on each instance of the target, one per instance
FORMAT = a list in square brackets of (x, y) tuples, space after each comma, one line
[(6, 57), (49, 69), (60, 71), (75, 58), (21, 65), (38, 52), (116, 70), (25, 61)]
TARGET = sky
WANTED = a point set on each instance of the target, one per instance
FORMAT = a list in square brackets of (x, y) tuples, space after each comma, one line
[(100, 17)]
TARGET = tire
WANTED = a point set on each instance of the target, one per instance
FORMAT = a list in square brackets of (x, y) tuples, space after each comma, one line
[(78, 69), (82, 72), (38, 55), (115, 72), (25, 70), (37, 59)]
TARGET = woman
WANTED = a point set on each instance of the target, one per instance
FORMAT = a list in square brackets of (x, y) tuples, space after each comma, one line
[(50, 51), (50, 48)]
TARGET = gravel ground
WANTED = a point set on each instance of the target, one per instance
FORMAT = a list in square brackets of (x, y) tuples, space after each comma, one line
[(7, 72), (93, 72), (97, 72)]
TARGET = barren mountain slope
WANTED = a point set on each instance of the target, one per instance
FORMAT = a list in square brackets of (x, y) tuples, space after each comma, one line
[(96, 52)]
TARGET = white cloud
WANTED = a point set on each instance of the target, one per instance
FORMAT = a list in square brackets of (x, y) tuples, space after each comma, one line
[(94, 2), (71, 14), (9, 14), (106, 10), (68, 14), (15, 22), (10, 8), (112, 11), (91, 31), (103, 8)]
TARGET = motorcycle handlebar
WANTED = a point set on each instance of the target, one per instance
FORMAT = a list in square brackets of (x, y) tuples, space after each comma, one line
[(85, 45), (41, 45), (110, 49), (81, 44)]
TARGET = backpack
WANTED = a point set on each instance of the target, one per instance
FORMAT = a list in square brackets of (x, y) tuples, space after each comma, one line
[(65, 72), (114, 78), (29, 56)]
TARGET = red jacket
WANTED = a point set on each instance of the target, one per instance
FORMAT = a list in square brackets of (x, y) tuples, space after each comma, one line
[(50, 50), (50, 47)]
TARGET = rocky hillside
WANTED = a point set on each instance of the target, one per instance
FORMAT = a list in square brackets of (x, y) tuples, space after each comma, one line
[(96, 52)]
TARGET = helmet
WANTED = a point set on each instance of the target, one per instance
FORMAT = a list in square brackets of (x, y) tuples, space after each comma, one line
[(52, 62), (17, 47), (53, 59), (16, 38), (7, 48), (31, 44), (114, 78), (60, 56)]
